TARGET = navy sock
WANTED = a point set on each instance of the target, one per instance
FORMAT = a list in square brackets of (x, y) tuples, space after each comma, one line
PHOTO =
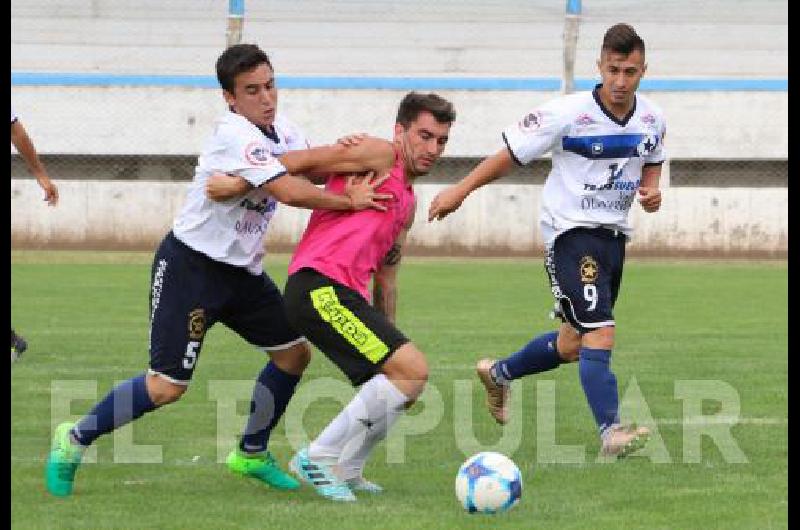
[(274, 388), (539, 355), (600, 386), (126, 402)]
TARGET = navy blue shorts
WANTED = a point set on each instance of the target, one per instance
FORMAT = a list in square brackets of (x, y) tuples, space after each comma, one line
[(585, 270), (190, 292)]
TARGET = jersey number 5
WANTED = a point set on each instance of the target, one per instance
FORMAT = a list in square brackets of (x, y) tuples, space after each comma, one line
[(191, 354)]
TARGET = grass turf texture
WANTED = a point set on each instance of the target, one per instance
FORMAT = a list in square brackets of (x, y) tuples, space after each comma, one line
[(85, 316)]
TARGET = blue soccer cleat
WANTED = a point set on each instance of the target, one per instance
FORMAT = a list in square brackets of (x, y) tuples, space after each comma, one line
[(321, 477)]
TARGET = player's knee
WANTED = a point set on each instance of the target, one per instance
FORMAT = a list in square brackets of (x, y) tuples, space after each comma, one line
[(293, 360), (601, 339), (569, 353), (569, 346), (163, 392), (408, 370)]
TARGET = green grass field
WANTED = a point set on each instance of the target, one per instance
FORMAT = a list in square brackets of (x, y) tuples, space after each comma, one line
[(85, 316)]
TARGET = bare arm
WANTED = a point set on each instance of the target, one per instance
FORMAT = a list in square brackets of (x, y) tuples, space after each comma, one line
[(384, 289), (371, 154), (299, 192), (22, 142), (449, 199), (649, 193)]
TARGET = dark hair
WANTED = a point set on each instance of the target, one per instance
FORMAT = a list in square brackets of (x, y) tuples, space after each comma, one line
[(413, 104), (622, 38), (237, 59)]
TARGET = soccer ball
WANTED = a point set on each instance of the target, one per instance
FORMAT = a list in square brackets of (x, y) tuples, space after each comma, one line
[(488, 482)]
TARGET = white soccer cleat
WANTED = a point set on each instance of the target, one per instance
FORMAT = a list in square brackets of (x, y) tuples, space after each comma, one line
[(623, 440)]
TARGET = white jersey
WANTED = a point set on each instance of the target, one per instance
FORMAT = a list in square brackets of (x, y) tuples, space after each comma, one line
[(597, 159), (13, 115), (233, 231)]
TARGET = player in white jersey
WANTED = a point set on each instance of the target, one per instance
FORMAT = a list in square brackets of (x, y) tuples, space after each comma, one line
[(24, 146), (208, 269), (607, 146)]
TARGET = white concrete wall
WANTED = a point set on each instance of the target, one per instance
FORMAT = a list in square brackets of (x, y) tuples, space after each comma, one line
[(498, 219), (512, 38), (174, 120)]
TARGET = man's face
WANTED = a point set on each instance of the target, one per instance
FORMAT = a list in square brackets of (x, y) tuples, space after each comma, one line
[(621, 75), (422, 142), (254, 95)]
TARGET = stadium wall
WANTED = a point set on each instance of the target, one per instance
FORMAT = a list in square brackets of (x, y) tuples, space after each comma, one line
[(500, 219), (174, 120)]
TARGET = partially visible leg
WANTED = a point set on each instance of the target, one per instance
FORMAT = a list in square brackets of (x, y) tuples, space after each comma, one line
[(258, 314), (125, 403), (272, 392), (18, 345), (376, 408)]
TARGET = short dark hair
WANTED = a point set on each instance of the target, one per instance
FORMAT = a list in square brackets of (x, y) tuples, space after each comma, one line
[(413, 104), (237, 59), (622, 38)]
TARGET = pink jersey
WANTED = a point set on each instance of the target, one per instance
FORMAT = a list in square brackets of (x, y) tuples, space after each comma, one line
[(348, 246)]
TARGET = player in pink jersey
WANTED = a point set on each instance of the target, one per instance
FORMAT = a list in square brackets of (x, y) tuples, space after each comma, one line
[(327, 297)]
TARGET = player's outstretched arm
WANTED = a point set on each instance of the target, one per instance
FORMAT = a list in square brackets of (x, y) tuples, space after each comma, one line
[(359, 194), (449, 199), (24, 145), (369, 154)]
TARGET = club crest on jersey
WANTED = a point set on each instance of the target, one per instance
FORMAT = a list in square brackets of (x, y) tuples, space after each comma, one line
[(197, 324), (584, 120), (531, 122), (257, 154), (597, 148), (649, 119), (588, 269), (647, 145)]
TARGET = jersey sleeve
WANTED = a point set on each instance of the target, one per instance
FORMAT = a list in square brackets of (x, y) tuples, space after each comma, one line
[(658, 154), (248, 156), (295, 138), (13, 115), (535, 134)]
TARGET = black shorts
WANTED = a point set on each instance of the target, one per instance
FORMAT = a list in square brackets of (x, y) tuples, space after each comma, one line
[(346, 328), (190, 292), (585, 270)]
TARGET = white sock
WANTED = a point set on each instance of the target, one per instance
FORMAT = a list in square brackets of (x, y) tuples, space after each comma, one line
[(350, 437)]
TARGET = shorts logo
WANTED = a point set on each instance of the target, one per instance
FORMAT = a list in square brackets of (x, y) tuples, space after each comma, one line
[(257, 154), (197, 324), (348, 325), (588, 269), (531, 122)]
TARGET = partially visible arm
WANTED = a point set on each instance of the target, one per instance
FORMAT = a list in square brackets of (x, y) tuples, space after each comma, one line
[(221, 186), (22, 142), (371, 154), (384, 288), (449, 199), (649, 193)]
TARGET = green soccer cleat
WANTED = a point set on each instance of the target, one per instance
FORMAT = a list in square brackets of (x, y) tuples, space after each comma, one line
[(263, 468), (62, 462)]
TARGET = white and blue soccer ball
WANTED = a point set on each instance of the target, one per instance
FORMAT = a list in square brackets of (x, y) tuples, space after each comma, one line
[(488, 482)]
